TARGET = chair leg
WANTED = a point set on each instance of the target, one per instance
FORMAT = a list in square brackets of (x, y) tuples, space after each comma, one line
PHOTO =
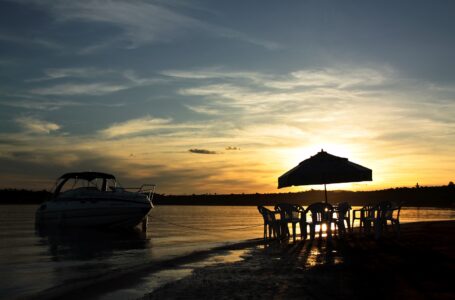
[(341, 228), (366, 227), (397, 228), (293, 231), (378, 226), (360, 224), (329, 230), (385, 226), (303, 231), (284, 230), (278, 230), (312, 231)]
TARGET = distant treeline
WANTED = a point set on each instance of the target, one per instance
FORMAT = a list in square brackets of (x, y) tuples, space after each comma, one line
[(437, 196), (440, 196), (15, 196)]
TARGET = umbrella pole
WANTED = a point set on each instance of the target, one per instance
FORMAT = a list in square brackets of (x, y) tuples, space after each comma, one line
[(325, 188)]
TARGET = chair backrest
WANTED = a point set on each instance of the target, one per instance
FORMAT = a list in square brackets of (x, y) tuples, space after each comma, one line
[(369, 211), (288, 211), (393, 211), (396, 211), (267, 214), (343, 210), (384, 210), (320, 212)]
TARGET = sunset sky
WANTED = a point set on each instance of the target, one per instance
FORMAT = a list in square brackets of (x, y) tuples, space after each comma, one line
[(225, 96)]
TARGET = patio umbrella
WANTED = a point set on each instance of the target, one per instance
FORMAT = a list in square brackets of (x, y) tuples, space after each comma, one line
[(324, 168)]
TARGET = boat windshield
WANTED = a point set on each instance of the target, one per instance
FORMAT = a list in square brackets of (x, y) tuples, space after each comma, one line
[(100, 184)]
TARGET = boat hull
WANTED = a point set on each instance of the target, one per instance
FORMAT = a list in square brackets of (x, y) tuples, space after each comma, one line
[(93, 213)]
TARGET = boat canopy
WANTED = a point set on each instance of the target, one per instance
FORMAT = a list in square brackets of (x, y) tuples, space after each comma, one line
[(87, 175)]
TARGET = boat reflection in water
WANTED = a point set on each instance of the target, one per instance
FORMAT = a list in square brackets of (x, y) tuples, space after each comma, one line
[(73, 243), (94, 199), (81, 261)]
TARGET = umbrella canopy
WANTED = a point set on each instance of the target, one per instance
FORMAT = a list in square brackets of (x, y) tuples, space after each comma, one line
[(324, 168)]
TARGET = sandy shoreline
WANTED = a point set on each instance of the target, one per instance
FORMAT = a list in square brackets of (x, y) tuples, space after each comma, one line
[(94, 287), (412, 267)]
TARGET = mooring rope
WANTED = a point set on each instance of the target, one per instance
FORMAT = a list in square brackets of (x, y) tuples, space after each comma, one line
[(203, 229)]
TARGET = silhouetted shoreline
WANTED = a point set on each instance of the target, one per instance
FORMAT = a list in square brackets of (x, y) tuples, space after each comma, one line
[(434, 196)]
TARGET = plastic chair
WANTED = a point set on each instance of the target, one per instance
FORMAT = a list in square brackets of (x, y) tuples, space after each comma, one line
[(342, 218), (290, 213), (378, 219), (321, 213), (392, 215), (271, 225), (365, 213)]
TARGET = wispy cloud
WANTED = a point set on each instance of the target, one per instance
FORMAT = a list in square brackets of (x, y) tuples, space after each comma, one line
[(32, 102), (142, 22), (201, 109), (35, 125), (229, 33), (344, 77), (54, 73), (202, 151), (217, 73), (141, 81), (101, 45), (275, 128), (30, 41), (71, 89), (139, 21), (339, 78), (305, 105), (231, 148), (259, 93), (109, 81), (135, 126), (153, 126), (37, 104)]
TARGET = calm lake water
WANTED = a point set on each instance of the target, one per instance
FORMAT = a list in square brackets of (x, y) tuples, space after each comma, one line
[(36, 262)]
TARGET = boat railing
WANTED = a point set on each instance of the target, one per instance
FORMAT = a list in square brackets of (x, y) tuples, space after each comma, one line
[(147, 189)]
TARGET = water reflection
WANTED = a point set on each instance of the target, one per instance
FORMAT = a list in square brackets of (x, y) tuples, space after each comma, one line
[(49, 258), (90, 243)]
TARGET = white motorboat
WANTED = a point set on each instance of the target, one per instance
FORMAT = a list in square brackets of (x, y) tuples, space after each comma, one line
[(95, 199)]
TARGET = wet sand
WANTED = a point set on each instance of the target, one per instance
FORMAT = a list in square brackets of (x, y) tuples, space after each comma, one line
[(113, 285), (418, 265)]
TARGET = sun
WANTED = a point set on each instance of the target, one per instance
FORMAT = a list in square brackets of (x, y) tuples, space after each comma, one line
[(295, 155)]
